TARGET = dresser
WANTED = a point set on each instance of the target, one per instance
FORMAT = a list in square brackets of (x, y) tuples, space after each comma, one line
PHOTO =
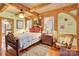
[(47, 39)]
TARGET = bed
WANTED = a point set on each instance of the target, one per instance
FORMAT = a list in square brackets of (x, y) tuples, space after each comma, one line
[(26, 39), (23, 40)]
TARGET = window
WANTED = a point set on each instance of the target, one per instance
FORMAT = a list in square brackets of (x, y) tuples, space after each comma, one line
[(49, 25)]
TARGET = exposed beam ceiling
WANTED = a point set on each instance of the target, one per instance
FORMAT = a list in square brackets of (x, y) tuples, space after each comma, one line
[(62, 9), (20, 6), (45, 7), (40, 8)]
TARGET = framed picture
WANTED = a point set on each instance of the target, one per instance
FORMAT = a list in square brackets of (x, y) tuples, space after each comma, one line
[(19, 24), (35, 22), (39, 22)]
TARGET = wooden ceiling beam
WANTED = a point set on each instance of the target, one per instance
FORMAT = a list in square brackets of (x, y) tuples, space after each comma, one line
[(20, 6), (2, 7)]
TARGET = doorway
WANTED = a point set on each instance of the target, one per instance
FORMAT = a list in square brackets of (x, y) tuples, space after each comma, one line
[(6, 26)]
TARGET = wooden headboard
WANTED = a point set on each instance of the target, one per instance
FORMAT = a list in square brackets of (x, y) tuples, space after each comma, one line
[(36, 29)]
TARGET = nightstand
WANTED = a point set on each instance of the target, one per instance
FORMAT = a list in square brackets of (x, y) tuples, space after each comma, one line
[(47, 39)]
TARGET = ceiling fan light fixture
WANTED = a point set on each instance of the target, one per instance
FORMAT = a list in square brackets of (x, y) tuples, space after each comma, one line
[(21, 15)]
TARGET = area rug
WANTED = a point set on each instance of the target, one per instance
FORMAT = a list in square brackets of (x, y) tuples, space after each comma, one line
[(39, 50)]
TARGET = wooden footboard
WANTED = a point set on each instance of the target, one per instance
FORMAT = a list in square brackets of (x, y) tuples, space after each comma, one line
[(13, 42)]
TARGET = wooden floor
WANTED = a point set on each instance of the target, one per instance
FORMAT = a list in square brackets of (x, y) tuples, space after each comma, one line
[(52, 52)]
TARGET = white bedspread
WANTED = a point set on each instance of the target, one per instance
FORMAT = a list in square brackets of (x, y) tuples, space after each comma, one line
[(26, 39)]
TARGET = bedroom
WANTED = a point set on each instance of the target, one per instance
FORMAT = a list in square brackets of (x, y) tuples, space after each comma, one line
[(39, 27)]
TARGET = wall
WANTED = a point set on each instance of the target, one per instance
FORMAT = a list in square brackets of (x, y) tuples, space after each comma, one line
[(66, 27)]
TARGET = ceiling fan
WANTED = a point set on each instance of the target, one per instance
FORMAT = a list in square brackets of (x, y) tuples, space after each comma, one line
[(21, 14)]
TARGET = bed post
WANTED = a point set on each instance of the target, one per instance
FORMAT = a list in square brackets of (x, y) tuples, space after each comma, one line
[(17, 47), (6, 43)]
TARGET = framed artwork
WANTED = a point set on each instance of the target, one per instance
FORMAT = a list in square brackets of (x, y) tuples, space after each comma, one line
[(35, 22), (39, 22), (19, 24)]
